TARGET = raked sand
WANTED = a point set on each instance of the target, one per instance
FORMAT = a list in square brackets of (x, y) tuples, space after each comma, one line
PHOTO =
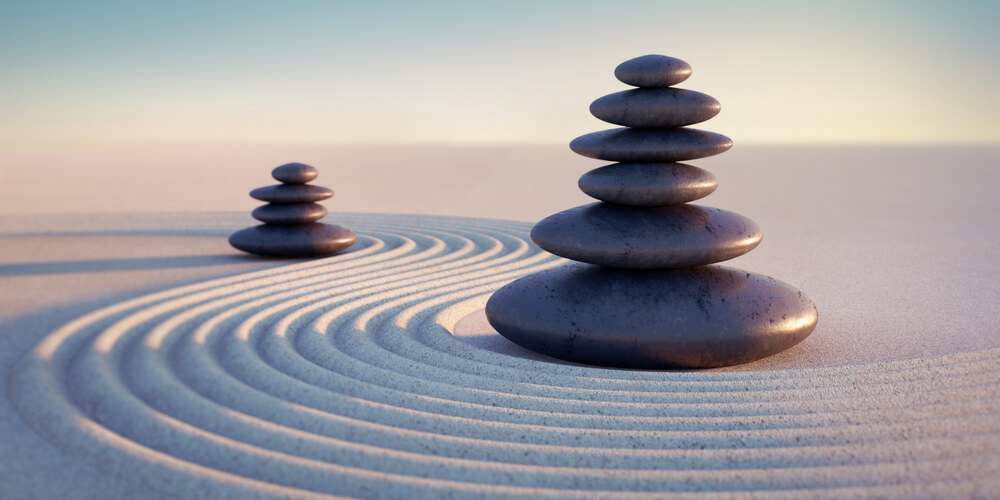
[(348, 376), (141, 356)]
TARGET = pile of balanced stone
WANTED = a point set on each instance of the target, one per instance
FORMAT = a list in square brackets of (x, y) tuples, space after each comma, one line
[(290, 219), (644, 294)]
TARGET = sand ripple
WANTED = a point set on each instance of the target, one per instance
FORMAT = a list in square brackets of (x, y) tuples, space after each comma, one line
[(341, 376)]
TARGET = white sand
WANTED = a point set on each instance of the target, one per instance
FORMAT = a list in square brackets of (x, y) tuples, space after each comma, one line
[(142, 357)]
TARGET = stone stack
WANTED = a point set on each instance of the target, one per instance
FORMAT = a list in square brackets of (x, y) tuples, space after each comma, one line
[(291, 227), (644, 293)]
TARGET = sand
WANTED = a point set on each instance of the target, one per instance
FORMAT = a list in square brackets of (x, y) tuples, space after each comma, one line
[(141, 356)]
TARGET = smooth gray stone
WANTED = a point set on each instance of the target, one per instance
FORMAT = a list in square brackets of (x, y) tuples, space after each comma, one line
[(306, 240), (648, 184), (295, 173), (655, 108), (291, 193), (292, 213), (700, 317), (646, 237), (650, 145), (653, 70)]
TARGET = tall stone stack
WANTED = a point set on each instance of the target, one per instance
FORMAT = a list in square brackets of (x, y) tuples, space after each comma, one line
[(643, 292), (291, 226)]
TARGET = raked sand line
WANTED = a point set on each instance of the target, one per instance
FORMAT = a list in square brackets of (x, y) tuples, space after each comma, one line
[(340, 376)]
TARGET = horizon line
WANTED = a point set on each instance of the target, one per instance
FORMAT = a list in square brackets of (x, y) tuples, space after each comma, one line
[(446, 144)]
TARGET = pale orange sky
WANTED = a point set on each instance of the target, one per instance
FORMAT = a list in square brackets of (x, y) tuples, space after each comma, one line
[(124, 73)]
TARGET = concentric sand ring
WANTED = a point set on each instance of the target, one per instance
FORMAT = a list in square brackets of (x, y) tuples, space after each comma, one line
[(340, 376)]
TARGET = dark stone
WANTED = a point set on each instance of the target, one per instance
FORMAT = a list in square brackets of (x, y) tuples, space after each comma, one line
[(307, 240), (653, 70), (650, 145), (699, 317), (295, 173), (294, 213), (655, 108), (648, 184), (646, 237), (291, 193)]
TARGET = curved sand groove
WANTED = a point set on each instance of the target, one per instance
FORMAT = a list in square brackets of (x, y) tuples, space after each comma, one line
[(341, 376)]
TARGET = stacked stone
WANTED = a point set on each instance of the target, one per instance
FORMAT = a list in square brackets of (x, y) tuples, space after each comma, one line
[(291, 227), (646, 295)]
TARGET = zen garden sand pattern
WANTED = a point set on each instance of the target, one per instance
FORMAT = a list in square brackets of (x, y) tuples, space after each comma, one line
[(344, 376)]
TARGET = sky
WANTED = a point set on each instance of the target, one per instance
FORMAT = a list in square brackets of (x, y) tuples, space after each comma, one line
[(126, 73)]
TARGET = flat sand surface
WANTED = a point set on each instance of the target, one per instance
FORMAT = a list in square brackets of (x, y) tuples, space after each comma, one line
[(143, 356)]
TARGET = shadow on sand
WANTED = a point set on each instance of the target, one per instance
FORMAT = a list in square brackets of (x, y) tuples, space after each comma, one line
[(184, 232), (124, 264)]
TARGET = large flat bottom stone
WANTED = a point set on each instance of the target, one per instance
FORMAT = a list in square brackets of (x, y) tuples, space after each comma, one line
[(304, 240), (699, 317)]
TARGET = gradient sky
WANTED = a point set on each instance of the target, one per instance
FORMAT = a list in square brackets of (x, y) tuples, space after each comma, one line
[(337, 72)]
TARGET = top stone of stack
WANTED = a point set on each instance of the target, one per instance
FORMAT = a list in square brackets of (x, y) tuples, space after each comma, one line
[(653, 71), (295, 173)]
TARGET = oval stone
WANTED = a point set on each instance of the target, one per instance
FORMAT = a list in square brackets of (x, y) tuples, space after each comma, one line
[(646, 237), (650, 145), (701, 317), (290, 213), (307, 240), (291, 193), (648, 184), (295, 173), (653, 70), (655, 108)]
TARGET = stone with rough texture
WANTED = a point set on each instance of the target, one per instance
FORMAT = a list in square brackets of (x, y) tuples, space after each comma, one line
[(648, 184), (646, 237), (291, 193), (653, 70), (650, 145), (700, 317), (295, 173), (655, 108), (305, 240), (289, 213)]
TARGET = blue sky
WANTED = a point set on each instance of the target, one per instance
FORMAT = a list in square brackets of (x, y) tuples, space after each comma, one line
[(329, 72)]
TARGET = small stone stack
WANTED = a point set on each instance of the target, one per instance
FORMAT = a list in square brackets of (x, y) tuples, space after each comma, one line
[(646, 295), (291, 227)]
